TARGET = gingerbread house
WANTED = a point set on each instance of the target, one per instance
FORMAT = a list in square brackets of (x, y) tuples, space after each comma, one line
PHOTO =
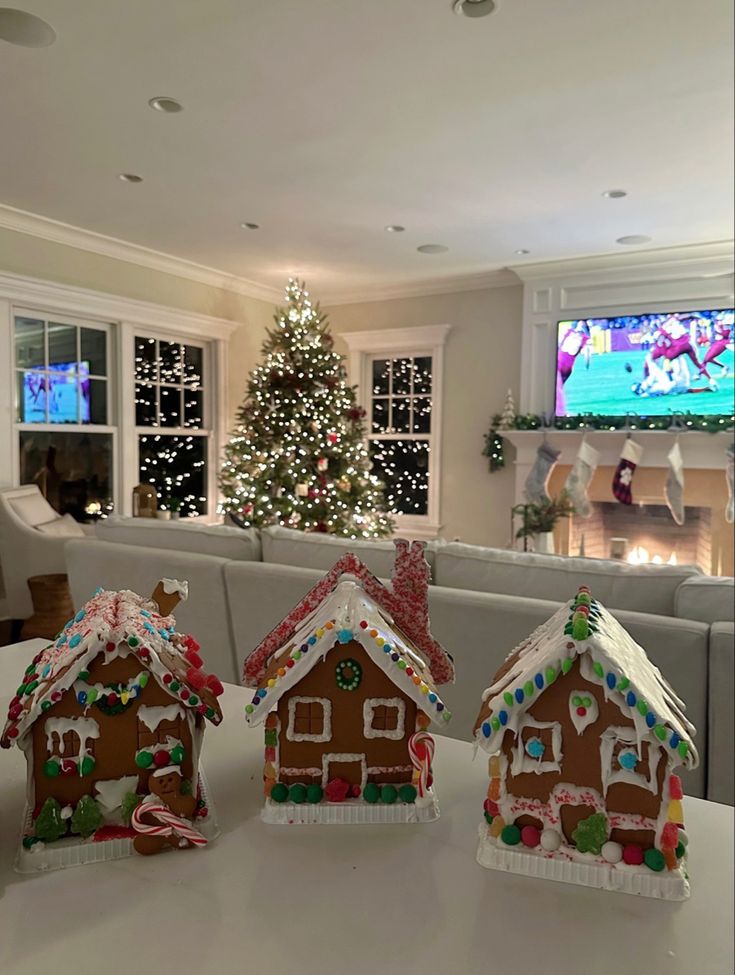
[(118, 697), (584, 735), (346, 689)]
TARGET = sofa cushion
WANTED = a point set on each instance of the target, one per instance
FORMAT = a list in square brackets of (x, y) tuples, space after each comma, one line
[(285, 546), (720, 779), (32, 508), (706, 598), (642, 588), (64, 527), (238, 544)]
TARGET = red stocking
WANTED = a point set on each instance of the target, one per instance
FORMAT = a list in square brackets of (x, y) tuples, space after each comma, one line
[(629, 458)]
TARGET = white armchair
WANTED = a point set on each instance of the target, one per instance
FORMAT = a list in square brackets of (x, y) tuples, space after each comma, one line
[(32, 539)]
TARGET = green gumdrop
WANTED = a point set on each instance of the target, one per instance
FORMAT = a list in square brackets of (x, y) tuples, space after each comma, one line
[(623, 683), (511, 835), (87, 765), (642, 706), (495, 723), (297, 793), (567, 665), (489, 818), (177, 754), (46, 705), (371, 792), (51, 768), (529, 688), (598, 669), (314, 793), (279, 792), (143, 680), (577, 700), (407, 793), (580, 628), (388, 794), (660, 732), (654, 859), (680, 851), (92, 695), (144, 759), (508, 698), (683, 748), (584, 598), (550, 675)]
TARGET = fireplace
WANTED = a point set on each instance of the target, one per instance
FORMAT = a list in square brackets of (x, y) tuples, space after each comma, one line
[(644, 533)]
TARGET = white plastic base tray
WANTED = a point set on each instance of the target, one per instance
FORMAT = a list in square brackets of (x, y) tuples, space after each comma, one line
[(73, 850), (669, 885), (351, 812)]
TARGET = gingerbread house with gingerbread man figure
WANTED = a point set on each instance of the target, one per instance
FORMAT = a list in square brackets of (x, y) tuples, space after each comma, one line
[(584, 735), (118, 701), (346, 686)]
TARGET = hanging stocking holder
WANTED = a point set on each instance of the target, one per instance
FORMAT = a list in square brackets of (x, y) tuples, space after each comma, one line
[(545, 462), (578, 481)]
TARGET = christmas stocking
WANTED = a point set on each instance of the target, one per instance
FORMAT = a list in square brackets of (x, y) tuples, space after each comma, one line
[(579, 478), (535, 487), (674, 487), (730, 475), (629, 459)]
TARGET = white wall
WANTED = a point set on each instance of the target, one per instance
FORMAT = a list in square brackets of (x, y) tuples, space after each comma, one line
[(482, 361)]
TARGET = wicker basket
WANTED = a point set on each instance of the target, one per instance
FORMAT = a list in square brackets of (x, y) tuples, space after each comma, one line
[(52, 606)]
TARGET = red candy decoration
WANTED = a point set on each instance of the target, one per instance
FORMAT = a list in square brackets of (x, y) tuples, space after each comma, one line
[(56, 696), (581, 711), (110, 647), (355, 791), (290, 662), (202, 708), (363, 624), (12, 732), (112, 699), (675, 788), (530, 836), (491, 807), (161, 759), (196, 678), (184, 693), (191, 644), (167, 678), (68, 767), (337, 790), (633, 854), (409, 671), (670, 836), (14, 711), (215, 685), (203, 812)]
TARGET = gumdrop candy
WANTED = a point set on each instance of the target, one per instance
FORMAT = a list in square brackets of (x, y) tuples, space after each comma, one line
[(675, 788)]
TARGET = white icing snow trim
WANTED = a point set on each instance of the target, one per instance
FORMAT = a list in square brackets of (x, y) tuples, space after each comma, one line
[(86, 729), (171, 586), (326, 733), (590, 706), (110, 793), (523, 762), (344, 608), (368, 715), (166, 770), (152, 715), (342, 757), (627, 735)]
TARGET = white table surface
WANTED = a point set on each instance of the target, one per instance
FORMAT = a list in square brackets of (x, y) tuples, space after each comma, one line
[(372, 900)]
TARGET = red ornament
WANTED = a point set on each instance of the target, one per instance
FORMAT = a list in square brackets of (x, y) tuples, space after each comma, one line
[(337, 790), (161, 759), (633, 854), (332, 437)]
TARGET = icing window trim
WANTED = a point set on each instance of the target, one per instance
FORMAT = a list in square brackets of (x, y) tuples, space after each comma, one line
[(627, 735), (368, 714), (523, 762), (326, 733), (344, 757)]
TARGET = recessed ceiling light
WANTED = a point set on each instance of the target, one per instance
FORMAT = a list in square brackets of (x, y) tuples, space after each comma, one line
[(130, 178), (250, 226), (521, 251), (634, 239), (394, 228), (432, 249), (162, 103), (474, 8), (615, 194), (25, 30)]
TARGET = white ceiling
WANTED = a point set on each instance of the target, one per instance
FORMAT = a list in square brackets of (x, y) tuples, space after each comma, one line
[(324, 120)]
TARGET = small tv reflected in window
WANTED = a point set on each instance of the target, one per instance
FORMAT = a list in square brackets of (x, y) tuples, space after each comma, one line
[(61, 395)]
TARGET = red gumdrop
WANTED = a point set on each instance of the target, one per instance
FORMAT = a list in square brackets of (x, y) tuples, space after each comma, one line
[(670, 836), (184, 693), (110, 647), (581, 711), (202, 708), (675, 788), (15, 700), (68, 767), (56, 696), (633, 854), (196, 678), (363, 624), (203, 812), (530, 836), (161, 759), (112, 699), (167, 678), (355, 791), (337, 790), (290, 662), (491, 807), (12, 732), (193, 658), (409, 671), (192, 644), (14, 711), (215, 685)]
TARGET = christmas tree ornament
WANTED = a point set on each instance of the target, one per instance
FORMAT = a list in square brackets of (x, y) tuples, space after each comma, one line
[(344, 484), (322, 464), (578, 481), (674, 487), (302, 490), (508, 415), (730, 476), (535, 486), (630, 457)]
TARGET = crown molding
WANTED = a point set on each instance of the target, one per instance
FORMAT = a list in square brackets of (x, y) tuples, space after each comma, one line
[(501, 278), (34, 225), (391, 339), (710, 259), (83, 303)]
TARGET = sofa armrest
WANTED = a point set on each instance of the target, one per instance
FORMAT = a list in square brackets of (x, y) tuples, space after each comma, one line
[(720, 778)]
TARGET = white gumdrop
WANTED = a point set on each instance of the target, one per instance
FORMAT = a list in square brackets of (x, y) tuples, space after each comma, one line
[(550, 840), (612, 852)]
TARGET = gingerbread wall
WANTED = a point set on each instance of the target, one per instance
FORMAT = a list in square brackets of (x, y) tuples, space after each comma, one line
[(347, 720), (114, 750)]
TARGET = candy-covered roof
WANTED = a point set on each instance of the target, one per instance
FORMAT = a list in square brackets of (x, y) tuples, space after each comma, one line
[(116, 624), (348, 613), (608, 656), (406, 604)]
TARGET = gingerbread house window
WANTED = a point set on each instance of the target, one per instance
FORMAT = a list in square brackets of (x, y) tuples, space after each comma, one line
[(309, 719), (158, 725), (71, 737), (537, 747), (384, 717), (68, 745), (623, 758)]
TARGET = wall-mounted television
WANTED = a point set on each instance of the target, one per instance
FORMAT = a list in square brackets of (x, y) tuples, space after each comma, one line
[(61, 396), (646, 364)]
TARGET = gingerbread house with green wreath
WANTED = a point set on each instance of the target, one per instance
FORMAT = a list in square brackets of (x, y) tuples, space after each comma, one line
[(584, 734), (346, 687), (118, 701)]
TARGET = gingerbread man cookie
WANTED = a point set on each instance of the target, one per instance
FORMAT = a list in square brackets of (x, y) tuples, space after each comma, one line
[(163, 818)]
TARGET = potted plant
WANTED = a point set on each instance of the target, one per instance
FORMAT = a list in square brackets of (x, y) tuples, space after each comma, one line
[(174, 506), (538, 521)]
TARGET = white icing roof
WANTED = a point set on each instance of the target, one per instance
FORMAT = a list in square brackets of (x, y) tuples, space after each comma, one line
[(610, 657), (348, 613)]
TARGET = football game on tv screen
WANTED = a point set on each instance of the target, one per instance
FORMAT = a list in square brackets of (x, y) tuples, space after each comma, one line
[(646, 364), (51, 397)]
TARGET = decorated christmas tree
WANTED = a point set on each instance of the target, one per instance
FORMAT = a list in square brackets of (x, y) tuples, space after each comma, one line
[(298, 456), (507, 417)]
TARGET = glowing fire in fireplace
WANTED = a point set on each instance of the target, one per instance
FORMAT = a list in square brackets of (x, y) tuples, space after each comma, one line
[(639, 555)]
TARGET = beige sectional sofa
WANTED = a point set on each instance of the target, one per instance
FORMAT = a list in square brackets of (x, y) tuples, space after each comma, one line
[(482, 601)]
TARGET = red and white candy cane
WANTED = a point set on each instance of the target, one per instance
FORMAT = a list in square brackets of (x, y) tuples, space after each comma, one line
[(170, 824), (421, 753)]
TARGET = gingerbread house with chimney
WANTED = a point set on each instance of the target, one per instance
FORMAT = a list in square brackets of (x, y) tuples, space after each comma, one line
[(346, 686), (117, 698)]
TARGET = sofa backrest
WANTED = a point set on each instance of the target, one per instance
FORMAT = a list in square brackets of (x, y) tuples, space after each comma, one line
[(284, 546), (238, 544), (708, 599), (641, 588), (720, 777)]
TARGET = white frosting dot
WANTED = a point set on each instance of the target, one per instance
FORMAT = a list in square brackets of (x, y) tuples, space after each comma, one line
[(550, 840), (612, 852)]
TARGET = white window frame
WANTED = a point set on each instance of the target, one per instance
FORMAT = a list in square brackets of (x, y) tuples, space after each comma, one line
[(627, 735), (368, 714), (522, 762), (396, 343), (293, 735)]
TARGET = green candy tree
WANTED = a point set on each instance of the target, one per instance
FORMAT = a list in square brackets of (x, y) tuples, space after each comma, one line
[(591, 833), (298, 456), (87, 817), (49, 826)]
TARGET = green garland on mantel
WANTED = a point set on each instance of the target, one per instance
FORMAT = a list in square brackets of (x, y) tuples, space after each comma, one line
[(680, 423)]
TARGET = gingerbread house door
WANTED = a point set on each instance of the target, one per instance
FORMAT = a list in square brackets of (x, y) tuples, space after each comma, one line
[(571, 816), (349, 767)]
